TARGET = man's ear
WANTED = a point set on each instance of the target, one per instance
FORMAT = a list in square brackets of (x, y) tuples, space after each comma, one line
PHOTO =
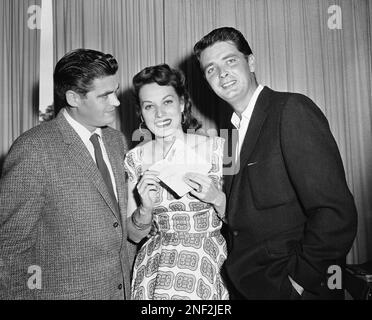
[(73, 98), (251, 63)]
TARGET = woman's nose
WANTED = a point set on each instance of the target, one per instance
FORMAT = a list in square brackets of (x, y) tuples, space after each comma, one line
[(158, 112)]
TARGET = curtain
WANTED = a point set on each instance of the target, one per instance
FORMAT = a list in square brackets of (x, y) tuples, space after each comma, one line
[(46, 89), (295, 46), (19, 70), (296, 50), (131, 30)]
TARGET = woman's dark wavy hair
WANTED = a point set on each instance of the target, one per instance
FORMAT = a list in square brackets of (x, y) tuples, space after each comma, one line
[(163, 75)]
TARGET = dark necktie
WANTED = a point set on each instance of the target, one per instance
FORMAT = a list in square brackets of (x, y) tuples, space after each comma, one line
[(102, 166)]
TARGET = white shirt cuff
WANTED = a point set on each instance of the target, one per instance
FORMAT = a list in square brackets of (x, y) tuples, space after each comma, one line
[(295, 285)]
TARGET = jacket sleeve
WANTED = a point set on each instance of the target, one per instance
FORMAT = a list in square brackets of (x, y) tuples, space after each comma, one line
[(316, 171), (21, 205)]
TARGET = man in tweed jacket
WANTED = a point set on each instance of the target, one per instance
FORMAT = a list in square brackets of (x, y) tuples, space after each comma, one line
[(62, 234)]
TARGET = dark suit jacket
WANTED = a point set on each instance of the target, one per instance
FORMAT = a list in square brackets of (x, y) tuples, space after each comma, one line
[(56, 213), (289, 209)]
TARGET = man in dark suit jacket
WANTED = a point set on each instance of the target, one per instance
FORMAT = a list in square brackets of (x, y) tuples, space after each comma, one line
[(290, 213), (63, 228)]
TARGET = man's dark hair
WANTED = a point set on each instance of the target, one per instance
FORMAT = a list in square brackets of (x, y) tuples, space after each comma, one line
[(163, 75), (223, 34), (77, 70)]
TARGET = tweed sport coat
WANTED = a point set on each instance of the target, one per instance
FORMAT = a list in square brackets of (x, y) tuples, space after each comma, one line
[(57, 217)]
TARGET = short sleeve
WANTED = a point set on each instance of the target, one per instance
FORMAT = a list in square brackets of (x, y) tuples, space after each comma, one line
[(133, 165), (217, 161)]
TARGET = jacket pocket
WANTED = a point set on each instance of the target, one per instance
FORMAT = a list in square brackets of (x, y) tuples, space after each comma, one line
[(269, 182), (282, 248)]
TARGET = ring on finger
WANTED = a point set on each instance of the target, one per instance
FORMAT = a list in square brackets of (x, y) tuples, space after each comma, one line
[(200, 188)]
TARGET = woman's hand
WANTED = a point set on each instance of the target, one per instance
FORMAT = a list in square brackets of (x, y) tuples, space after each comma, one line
[(147, 188), (205, 190), (202, 186)]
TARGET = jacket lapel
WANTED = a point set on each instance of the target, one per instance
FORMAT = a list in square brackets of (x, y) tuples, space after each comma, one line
[(253, 132), (79, 154), (117, 166), (228, 176), (255, 124), (116, 157)]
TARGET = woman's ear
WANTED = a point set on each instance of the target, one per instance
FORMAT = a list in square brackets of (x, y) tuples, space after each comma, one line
[(182, 104), (72, 98)]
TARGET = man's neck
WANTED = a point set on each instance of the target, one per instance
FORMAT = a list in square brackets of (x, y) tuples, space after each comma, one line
[(240, 106), (74, 116)]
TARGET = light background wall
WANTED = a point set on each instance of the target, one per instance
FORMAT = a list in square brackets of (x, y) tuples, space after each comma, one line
[(294, 48)]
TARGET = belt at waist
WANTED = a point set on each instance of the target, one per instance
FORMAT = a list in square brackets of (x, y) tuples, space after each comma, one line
[(185, 235)]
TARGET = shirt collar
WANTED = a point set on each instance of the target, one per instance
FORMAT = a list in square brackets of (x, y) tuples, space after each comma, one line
[(83, 132), (246, 114)]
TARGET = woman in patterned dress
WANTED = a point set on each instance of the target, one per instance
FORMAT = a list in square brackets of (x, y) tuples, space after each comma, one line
[(183, 258)]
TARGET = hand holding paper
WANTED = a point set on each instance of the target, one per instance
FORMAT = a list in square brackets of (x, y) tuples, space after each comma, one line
[(180, 159)]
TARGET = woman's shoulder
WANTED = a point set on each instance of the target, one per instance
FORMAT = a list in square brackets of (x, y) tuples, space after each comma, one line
[(143, 154), (135, 154), (197, 140), (206, 146), (141, 147), (135, 159)]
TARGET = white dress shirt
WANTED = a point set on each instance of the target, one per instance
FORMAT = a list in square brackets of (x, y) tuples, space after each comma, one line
[(241, 122), (85, 135)]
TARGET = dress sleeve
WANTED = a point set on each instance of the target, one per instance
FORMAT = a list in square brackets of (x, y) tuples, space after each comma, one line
[(217, 161), (132, 165)]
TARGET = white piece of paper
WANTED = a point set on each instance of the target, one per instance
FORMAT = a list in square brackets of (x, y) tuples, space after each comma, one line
[(179, 160)]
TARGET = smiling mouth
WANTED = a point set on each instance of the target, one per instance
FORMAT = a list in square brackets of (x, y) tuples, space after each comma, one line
[(229, 84), (163, 123)]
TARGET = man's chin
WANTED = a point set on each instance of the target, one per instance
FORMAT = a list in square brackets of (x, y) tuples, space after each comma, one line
[(228, 96), (109, 121)]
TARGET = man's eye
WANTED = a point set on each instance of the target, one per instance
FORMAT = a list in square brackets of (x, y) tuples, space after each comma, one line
[(231, 60)]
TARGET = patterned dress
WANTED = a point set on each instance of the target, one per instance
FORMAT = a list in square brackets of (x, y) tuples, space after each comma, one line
[(183, 260)]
